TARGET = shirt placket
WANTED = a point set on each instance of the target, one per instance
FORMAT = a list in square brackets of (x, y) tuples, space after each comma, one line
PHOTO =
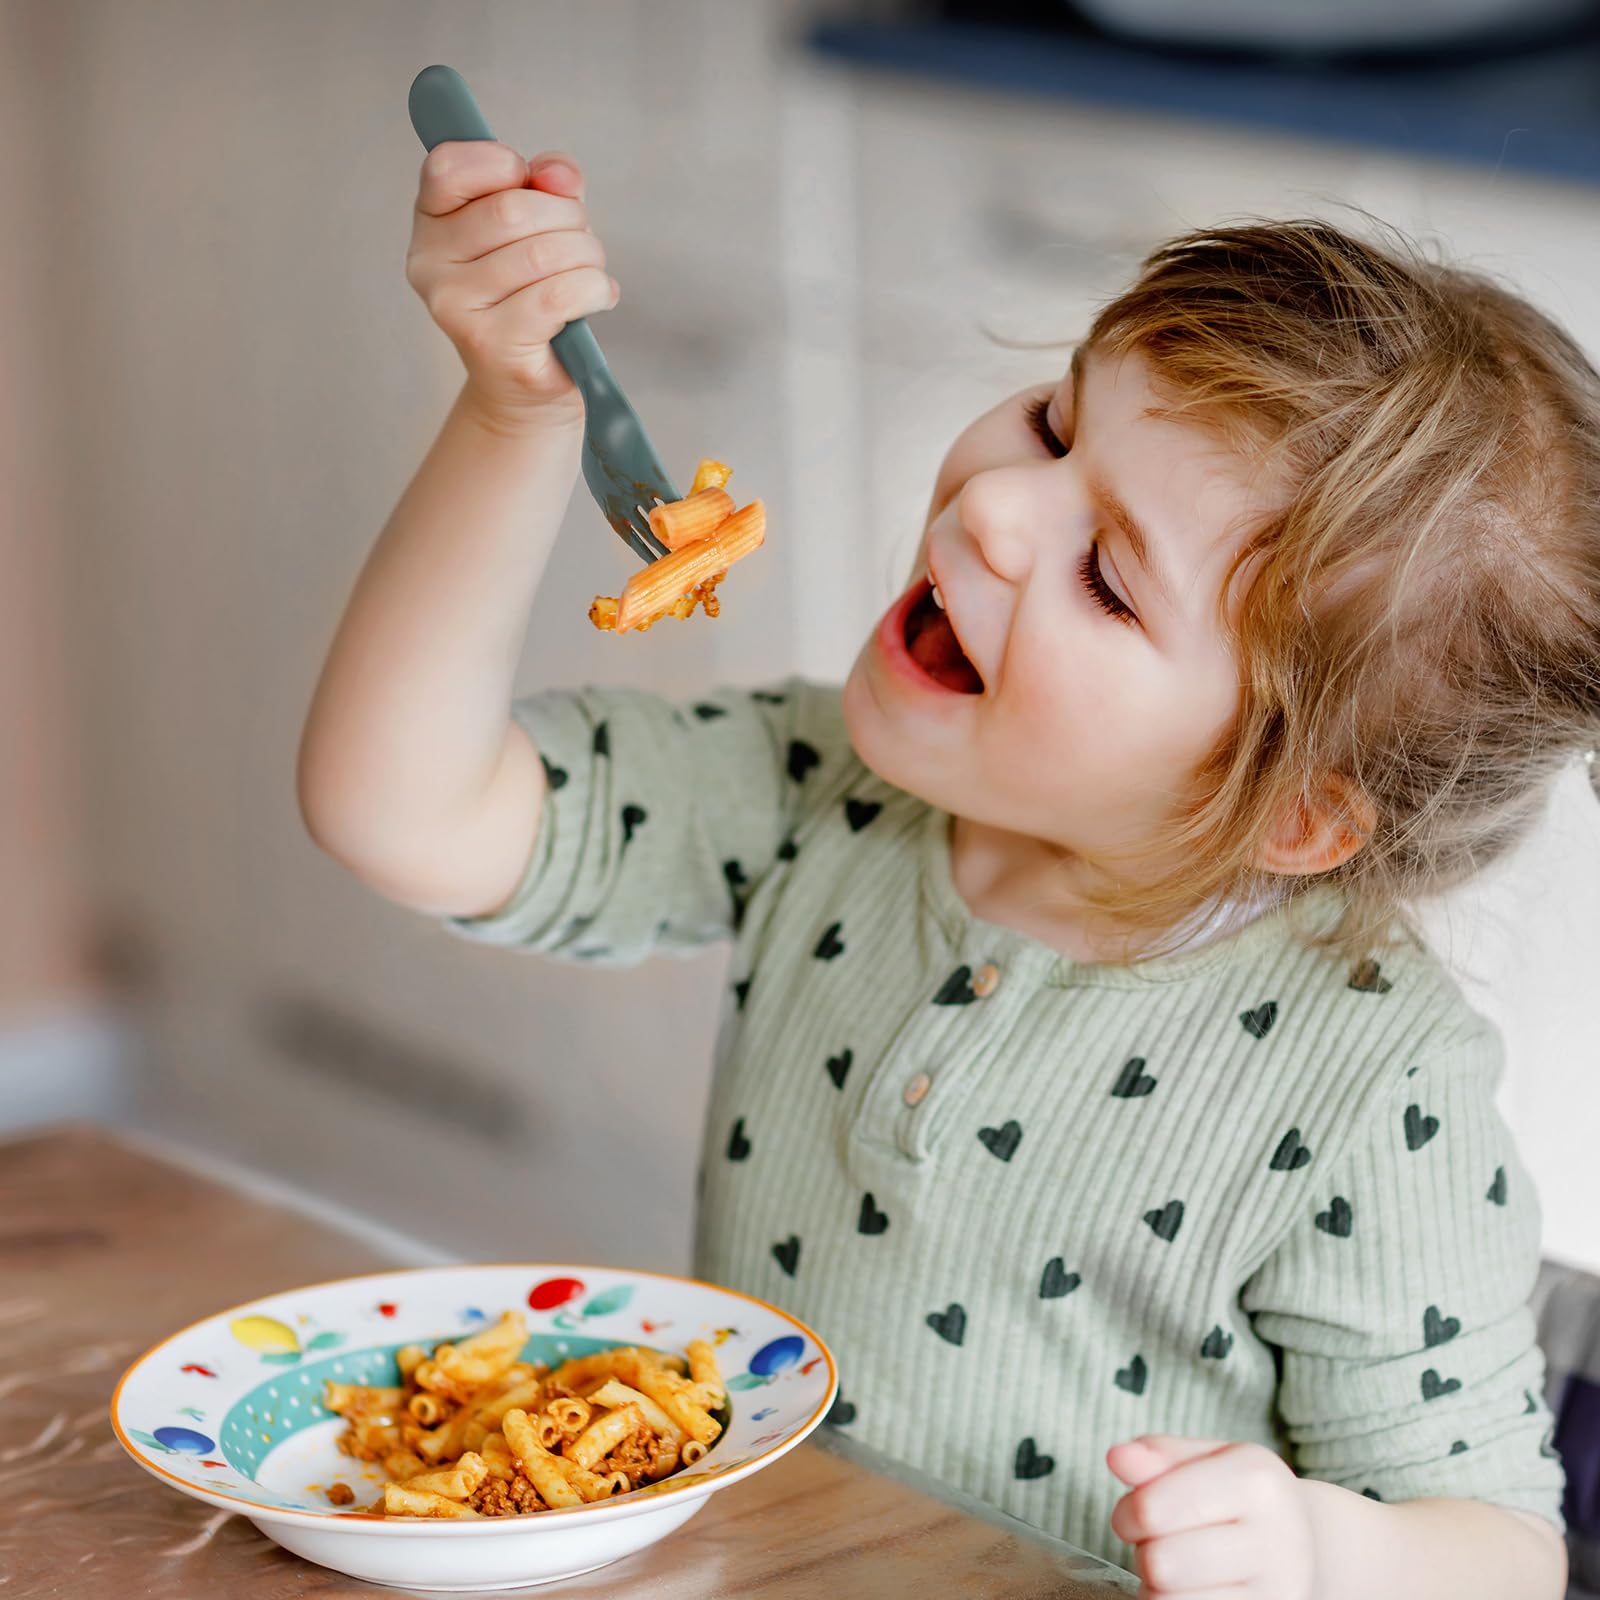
[(958, 1025)]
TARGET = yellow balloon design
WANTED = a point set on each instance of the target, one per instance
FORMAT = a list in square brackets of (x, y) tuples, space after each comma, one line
[(263, 1333)]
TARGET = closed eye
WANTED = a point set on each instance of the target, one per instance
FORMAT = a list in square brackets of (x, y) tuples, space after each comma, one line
[(1089, 572), (1039, 426)]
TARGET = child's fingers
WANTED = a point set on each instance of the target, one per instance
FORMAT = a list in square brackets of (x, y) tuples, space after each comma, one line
[(497, 276), (1224, 1487), (535, 315), (460, 170), (1204, 1559), (488, 223), (557, 173)]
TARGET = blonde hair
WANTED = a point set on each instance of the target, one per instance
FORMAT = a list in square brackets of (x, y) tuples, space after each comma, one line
[(1422, 617)]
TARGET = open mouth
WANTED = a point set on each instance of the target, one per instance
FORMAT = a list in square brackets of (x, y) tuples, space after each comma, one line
[(931, 642)]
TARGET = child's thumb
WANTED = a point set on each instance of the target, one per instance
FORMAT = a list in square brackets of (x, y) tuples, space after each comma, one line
[(1137, 1461), (557, 174)]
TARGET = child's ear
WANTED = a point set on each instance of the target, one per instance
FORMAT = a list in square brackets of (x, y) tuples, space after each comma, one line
[(1316, 837)]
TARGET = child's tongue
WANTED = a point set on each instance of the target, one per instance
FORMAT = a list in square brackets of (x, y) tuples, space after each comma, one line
[(932, 644)]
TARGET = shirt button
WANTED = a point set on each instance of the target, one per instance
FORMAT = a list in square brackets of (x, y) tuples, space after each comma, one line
[(986, 980), (916, 1089)]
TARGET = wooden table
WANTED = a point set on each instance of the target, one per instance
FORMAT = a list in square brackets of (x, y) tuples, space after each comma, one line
[(105, 1248)]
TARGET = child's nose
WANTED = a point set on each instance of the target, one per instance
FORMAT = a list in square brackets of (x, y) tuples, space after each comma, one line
[(1009, 511)]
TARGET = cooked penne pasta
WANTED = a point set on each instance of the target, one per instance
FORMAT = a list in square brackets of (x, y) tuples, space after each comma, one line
[(703, 1369), (614, 1392), (484, 1356), (689, 528), (402, 1464), (362, 1399), (408, 1358), (653, 588), (537, 1463), (570, 1416), (604, 1434), (427, 1408), (473, 1430), (589, 1485), (402, 1500), (683, 521), (454, 1483), (710, 475)]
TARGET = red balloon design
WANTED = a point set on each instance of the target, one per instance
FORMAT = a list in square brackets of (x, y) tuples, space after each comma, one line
[(554, 1292)]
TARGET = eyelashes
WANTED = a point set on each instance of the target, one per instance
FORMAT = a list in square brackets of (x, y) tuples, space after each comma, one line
[(1089, 573), (1034, 411), (1100, 591)]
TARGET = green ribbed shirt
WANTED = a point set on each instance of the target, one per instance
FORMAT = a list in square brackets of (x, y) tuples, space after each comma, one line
[(1039, 1206)]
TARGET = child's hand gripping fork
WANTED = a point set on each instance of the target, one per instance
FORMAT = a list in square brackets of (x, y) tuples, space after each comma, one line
[(620, 466)]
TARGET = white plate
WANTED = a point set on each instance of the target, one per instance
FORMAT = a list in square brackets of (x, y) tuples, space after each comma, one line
[(230, 1411)]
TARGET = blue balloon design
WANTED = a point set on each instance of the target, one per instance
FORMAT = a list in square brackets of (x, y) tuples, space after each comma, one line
[(186, 1440), (773, 1358)]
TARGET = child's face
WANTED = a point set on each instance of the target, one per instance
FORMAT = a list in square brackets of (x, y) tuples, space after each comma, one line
[(1087, 725)]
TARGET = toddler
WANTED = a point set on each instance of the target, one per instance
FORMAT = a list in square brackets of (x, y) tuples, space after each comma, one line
[(1083, 1078)]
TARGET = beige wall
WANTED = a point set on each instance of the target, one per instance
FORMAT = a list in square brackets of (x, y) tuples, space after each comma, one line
[(43, 921)]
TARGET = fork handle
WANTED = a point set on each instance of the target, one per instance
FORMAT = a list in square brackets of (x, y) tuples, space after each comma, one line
[(442, 108)]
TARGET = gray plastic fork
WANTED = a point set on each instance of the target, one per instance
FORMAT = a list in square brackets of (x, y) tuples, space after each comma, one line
[(620, 465)]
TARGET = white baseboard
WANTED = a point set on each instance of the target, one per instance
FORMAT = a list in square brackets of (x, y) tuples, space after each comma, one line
[(67, 1063)]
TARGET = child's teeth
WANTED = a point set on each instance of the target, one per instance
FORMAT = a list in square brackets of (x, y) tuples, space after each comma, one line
[(938, 599)]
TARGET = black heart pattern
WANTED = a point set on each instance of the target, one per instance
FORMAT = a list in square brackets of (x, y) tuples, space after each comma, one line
[(860, 812), (841, 1414), (839, 1067), (1030, 1463), (555, 776), (733, 871), (830, 944), (1337, 1218), (741, 992), (632, 817), (738, 1144), (871, 1220), (1133, 1082), (788, 850), (1257, 1022), (602, 739), (1372, 1494), (802, 758), (767, 698), (708, 712), (1368, 977), (1433, 1385), (1166, 1220), (1438, 1329), (1290, 1155), (787, 1254), (950, 1324), (1002, 1142), (1216, 1345), (1532, 1405), (1132, 1376), (1458, 1447), (956, 990), (1419, 1129), (1057, 1281), (1497, 1189)]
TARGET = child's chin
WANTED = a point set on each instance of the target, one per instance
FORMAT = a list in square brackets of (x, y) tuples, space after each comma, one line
[(884, 747)]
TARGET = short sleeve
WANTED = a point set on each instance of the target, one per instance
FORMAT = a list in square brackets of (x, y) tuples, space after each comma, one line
[(659, 819), (1400, 1303)]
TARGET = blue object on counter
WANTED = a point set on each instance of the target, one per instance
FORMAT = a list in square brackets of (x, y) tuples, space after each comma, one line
[(1534, 110)]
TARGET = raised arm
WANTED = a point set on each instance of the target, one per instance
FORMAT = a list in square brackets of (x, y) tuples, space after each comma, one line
[(411, 771)]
